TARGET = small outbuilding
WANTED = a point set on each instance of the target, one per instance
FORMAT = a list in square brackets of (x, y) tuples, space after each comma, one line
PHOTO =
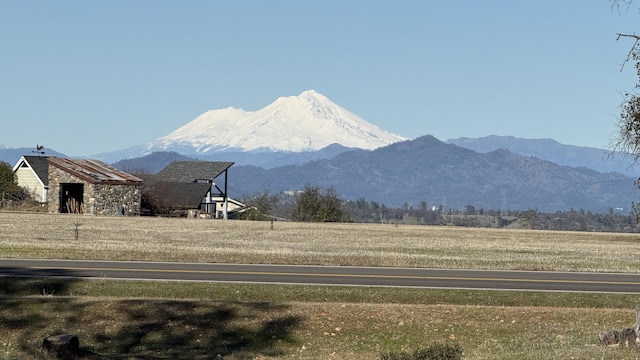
[(191, 185), (91, 187), (32, 173)]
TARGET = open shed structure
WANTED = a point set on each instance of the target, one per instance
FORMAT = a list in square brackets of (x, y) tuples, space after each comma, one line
[(91, 187), (190, 185)]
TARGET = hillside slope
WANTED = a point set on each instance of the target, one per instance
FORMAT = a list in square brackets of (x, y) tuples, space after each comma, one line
[(426, 169), (549, 149)]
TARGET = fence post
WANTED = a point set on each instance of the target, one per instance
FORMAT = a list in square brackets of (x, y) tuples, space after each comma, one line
[(637, 326)]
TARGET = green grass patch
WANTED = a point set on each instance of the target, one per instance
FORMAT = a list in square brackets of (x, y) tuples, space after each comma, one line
[(55, 287)]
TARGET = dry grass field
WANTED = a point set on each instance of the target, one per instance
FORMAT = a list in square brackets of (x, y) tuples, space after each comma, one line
[(147, 320), (196, 240)]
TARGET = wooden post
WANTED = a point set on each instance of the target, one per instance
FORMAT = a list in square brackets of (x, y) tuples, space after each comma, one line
[(76, 229), (637, 326)]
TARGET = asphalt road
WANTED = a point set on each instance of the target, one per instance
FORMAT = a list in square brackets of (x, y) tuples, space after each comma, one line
[(326, 275)]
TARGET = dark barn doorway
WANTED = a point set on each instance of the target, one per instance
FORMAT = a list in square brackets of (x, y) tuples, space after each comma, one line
[(71, 196)]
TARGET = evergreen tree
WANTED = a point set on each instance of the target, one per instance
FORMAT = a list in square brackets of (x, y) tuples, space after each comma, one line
[(8, 182)]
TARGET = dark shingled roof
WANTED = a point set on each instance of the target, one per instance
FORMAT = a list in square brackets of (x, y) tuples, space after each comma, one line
[(40, 166), (94, 171), (191, 171), (182, 195)]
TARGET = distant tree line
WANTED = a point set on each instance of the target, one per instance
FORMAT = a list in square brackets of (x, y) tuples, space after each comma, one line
[(318, 205), (315, 204)]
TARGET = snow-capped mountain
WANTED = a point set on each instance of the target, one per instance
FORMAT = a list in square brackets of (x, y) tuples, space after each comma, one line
[(308, 122)]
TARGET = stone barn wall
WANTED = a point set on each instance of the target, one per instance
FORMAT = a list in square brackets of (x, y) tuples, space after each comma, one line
[(57, 177), (116, 199), (97, 199)]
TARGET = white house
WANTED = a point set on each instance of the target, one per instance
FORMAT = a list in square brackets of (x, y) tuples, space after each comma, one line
[(33, 175), (230, 206)]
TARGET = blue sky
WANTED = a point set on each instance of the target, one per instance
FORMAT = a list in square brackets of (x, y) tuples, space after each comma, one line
[(86, 77)]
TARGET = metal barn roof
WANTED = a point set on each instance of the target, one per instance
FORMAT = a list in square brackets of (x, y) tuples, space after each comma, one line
[(94, 171)]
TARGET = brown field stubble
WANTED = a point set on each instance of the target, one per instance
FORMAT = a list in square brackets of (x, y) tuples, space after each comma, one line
[(267, 327), (198, 240)]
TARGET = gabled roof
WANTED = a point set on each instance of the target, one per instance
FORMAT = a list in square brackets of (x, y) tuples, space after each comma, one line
[(38, 164), (191, 171), (94, 171)]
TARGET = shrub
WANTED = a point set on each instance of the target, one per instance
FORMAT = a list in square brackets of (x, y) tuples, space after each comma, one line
[(433, 352), (313, 205)]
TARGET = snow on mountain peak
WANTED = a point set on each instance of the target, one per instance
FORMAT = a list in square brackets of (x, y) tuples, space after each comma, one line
[(307, 122)]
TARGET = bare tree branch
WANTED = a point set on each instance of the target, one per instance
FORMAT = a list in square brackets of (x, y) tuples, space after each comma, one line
[(615, 4), (633, 48)]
